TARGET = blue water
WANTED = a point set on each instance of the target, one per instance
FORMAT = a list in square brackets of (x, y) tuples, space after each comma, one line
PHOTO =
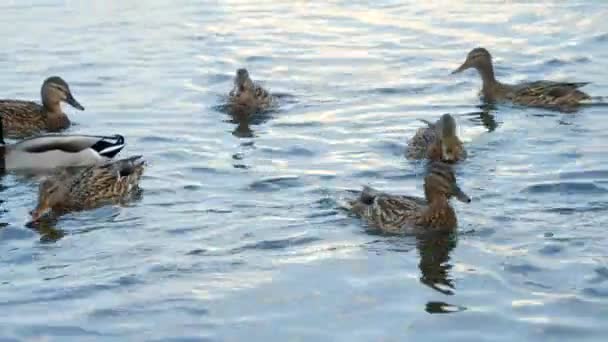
[(238, 236)]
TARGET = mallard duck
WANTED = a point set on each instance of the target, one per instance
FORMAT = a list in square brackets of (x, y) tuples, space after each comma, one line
[(248, 95), (437, 141), (90, 187), (561, 95), (56, 150), (25, 118), (402, 214)]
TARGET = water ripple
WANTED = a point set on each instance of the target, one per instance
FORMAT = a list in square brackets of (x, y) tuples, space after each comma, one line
[(239, 234)]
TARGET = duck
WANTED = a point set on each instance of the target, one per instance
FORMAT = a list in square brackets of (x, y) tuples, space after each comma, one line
[(87, 188), (26, 118), (438, 142), (56, 150), (247, 95), (398, 214), (558, 95)]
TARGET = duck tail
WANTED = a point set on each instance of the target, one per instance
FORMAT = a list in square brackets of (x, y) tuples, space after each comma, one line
[(368, 195), (431, 124), (110, 146), (130, 166)]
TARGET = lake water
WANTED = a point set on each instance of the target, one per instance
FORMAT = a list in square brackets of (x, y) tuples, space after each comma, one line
[(238, 236)]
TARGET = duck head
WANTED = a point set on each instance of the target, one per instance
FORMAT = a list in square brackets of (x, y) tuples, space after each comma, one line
[(55, 90), (447, 147), (440, 184), (51, 193), (450, 144), (480, 59), (242, 82)]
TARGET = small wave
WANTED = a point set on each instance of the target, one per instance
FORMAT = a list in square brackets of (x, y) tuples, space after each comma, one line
[(275, 183), (293, 151), (554, 62), (550, 249), (522, 268), (565, 188), (276, 244)]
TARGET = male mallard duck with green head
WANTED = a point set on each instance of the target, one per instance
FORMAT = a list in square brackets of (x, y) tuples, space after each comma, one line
[(395, 214), (438, 141), (246, 95), (91, 187), (25, 118), (560, 95)]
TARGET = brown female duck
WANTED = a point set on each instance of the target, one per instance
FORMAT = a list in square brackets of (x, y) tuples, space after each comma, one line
[(438, 141), (402, 214), (25, 118), (248, 95), (559, 95), (89, 187)]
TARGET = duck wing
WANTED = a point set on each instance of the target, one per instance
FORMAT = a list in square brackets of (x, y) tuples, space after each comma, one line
[(417, 146), (550, 91), (112, 180), (107, 146), (389, 213), (262, 94), (21, 118)]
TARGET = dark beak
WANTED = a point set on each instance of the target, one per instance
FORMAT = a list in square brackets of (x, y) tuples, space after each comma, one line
[(462, 197), (72, 101), (462, 68), (35, 215)]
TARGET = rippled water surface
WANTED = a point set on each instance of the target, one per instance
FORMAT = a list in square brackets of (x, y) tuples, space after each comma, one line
[(239, 235)]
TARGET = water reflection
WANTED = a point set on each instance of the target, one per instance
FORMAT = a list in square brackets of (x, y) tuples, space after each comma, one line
[(484, 117), (434, 250), (442, 308), (49, 233), (244, 119)]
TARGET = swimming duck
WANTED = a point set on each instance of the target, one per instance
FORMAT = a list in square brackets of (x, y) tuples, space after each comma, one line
[(55, 150), (26, 118), (437, 141), (88, 188), (248, 95), (560, 95), (402, 214)]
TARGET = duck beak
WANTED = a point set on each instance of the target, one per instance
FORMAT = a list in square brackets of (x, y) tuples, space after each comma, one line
[(72, 101), (38, 213), (462, 197), (462, 68)]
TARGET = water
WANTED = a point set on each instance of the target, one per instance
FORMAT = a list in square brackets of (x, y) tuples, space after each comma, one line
[(238, 235)]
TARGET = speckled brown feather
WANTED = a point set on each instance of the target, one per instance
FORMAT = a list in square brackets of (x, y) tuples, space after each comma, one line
[(23, 119), (417, 146), (249, 95), (111, 181), (395, 214), (548, 94), (434, 150), (427, 141), (97, 185)]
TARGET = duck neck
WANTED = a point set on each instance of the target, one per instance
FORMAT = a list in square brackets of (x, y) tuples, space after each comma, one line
[(56, 120), (489, 81), (50, 106), (439, 214)]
